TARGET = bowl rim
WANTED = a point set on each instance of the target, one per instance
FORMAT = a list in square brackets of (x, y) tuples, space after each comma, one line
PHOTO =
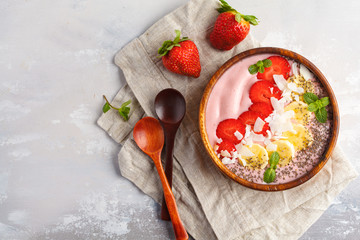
[(202, 118)]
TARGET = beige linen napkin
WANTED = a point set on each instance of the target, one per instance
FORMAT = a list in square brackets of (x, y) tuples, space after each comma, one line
[(211, 205)]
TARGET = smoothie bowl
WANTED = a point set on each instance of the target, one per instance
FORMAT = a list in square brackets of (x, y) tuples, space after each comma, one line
[(269, 119)]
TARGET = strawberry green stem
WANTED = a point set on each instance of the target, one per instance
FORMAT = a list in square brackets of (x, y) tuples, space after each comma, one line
[(225, 7), (168, 44)]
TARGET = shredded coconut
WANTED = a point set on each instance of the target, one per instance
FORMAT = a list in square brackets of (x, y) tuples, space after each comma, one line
[(259, 124), (227, 160), (238, 135), (225, 153)]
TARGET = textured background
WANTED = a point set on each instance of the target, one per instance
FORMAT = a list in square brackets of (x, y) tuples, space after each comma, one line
[(58, 170)]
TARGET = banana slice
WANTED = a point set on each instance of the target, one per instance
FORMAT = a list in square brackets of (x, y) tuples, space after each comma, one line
[(300, 81), (259, 159), (286, 151), (301, 139), (302, 114)]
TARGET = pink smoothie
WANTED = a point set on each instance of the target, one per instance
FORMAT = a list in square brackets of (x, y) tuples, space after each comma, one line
[(230, 95)]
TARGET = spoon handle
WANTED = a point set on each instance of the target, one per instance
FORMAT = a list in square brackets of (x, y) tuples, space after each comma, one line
[(179, 229), (169, 149)]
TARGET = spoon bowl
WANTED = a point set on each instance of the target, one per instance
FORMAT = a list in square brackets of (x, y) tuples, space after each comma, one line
[(149, 136), (170, 107)]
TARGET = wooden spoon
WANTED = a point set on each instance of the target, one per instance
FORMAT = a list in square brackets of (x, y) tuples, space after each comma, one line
[(149, 136), (170, 107)]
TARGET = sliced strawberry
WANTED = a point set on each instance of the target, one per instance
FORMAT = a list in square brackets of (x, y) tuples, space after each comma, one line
[(261, 107), (264, 130), (279, 66), (226, 145), (262, 91), (249, 118), (227, 128)]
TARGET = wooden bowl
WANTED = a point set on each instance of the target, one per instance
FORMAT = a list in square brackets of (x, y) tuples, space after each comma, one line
[(335, 125)]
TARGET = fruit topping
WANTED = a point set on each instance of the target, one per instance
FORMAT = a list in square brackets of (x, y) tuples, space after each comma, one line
[(231, 27), (302, 114), (301, 138), (225, 148), (305, 72), (250, 118), (300, 81), (259, 158), (232, 130), (181, 56), (285, 150), (261, 107), (280, 66), (262, 91)]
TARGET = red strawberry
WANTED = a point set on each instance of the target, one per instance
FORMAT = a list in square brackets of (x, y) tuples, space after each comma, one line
[(227, 128), (226, 145), (181, 56), (262, 91), (279, 66), (231, 27), (249, 118), (261, 107)]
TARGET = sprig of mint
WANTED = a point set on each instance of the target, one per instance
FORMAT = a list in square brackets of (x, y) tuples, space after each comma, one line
[(317, 106), (260, 66), (124, 110), (270, 174)]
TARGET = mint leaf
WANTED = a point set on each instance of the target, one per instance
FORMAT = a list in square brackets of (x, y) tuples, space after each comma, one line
[(313, 107), (261, 69), (269, 175), (317, 106), (259, 63), (126, 103), (260, 66), (325, 101), (124, 115), (321, 115), (274, 159), (310, 97), (124, 110), (253, 69), (267, 63), (106, 107)]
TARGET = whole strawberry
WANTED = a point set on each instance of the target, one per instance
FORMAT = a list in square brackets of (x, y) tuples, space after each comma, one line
[(231, 27), (181, 56)]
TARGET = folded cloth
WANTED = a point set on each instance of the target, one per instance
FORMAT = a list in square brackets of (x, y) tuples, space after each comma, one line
[(211, 205)]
